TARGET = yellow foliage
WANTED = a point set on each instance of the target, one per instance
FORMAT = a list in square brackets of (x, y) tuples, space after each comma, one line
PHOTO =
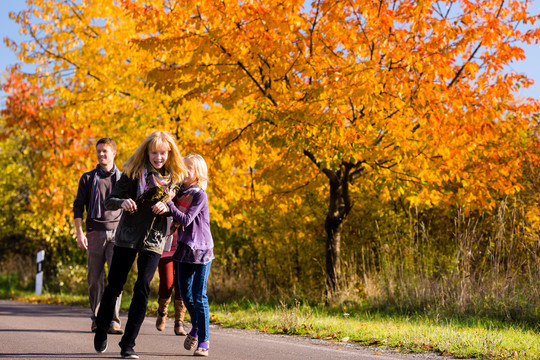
[(396, 89)]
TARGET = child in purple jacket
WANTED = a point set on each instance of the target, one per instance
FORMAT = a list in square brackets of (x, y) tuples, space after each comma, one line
[(195, 250)]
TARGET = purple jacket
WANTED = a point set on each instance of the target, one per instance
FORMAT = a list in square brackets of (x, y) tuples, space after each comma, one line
[(194, 230)]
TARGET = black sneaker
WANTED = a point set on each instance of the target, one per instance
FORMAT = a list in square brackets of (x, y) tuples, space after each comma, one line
[(100, 341), (128, 353)]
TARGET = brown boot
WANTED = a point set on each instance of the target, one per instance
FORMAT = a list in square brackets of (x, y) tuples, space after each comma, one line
[(163, 308), (179, 312)]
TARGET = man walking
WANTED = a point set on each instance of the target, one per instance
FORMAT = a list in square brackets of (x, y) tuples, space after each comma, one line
[(94, 187)]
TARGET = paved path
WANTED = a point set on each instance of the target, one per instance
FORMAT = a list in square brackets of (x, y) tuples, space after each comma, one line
[(41, 331)]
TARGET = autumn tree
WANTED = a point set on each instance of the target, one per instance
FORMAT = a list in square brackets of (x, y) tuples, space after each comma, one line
[(408, 95), (408, 98), (81, 88), (85, 84), (40, 151)]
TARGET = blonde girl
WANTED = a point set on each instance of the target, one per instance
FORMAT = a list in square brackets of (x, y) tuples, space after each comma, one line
[(150, 177), (195, 250)]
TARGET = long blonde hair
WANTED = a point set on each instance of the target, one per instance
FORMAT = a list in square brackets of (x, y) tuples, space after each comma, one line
[(157, 140), (200, 168)]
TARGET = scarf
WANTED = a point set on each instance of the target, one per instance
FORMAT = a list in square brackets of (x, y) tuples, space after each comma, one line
[(95, 206), (183, 202), (150, 178)]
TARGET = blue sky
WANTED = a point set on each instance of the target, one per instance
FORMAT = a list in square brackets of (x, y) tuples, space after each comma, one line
[(8, 28)]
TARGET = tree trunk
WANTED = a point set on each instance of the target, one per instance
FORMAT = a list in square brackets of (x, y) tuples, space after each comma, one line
[(339, 207), (333, 225)]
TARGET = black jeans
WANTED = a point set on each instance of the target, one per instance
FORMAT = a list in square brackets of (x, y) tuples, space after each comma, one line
[(122, 261)]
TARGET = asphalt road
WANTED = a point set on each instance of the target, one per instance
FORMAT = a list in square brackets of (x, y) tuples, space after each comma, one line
[(41, 331)]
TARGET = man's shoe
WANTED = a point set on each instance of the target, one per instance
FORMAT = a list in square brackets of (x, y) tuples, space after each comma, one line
[(128, 353), (100, 342), (115, 329), (94, 326)]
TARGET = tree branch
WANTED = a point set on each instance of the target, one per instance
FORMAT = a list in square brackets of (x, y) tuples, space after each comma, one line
[(329, 173)]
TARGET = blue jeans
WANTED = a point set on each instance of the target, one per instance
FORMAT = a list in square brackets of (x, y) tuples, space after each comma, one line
[(192, 280)]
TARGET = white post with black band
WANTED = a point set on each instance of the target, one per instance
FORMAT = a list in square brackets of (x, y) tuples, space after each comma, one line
[(39, 271)]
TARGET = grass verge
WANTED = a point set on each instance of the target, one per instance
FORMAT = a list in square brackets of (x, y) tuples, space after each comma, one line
[(459, 337)]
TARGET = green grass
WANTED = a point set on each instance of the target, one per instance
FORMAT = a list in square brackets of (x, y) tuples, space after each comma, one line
[(472, 337), (460, 337)]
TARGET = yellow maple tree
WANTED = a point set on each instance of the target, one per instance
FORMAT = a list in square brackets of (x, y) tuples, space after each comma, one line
[(407, 94), (292, 99)]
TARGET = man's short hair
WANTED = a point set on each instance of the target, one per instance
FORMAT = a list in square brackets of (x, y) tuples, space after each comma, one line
[(107, 141)]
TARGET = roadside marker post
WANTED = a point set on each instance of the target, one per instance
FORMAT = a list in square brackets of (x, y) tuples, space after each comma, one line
[(39, 271)]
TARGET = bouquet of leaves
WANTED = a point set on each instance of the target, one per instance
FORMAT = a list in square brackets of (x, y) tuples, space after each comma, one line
[(164, 195), (157, 194)]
